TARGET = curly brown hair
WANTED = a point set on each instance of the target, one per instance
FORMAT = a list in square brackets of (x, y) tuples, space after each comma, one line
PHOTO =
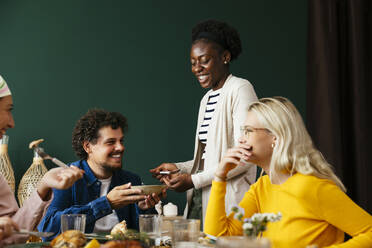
[(88, 126)]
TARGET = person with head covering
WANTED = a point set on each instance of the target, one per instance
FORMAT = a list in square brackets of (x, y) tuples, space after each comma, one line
[(11, 216), (299, 183), (222, 111)]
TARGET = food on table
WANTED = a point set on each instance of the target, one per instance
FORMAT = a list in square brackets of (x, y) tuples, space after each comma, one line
[(119, 228), (123, 244), (69, 239), (92, 244), (123, 238)]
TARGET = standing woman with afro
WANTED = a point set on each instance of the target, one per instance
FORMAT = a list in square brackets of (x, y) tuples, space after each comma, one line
[(222, 111)]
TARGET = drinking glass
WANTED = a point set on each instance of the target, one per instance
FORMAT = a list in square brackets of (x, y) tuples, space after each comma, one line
[(73, 222), (150, 224), (186, 233)]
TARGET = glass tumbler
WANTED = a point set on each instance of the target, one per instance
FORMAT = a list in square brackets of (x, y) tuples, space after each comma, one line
[(73, 222), (186, 233)]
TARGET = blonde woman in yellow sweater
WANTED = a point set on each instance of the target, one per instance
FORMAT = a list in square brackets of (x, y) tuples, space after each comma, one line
[(299, 183)]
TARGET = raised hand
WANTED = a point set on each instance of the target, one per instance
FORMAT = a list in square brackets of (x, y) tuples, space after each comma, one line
[(58, 178), (232, 159), (123, 195)]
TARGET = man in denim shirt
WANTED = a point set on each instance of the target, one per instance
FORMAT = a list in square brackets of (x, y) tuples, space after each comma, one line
[(104, 194)]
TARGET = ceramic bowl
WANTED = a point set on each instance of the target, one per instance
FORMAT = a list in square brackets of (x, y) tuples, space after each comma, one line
[(149, 189)]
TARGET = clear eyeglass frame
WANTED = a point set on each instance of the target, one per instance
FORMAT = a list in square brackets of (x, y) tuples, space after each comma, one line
[(247, 130)]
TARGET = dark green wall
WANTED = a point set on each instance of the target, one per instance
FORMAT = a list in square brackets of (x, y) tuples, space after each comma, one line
[(61, 58)]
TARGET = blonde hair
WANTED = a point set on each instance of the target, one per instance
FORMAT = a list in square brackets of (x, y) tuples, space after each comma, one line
[(294, 150)]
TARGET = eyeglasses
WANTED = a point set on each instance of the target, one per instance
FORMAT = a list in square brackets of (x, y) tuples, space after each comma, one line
[(247, 130)]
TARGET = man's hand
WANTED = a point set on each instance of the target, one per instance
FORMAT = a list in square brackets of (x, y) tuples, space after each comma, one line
[(7, 225), (179, 183), (58, 178), (163, 167), (151, 200), (123, 195)]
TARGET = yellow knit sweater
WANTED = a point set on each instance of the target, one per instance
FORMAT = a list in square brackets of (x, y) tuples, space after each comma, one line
[(315, 211)]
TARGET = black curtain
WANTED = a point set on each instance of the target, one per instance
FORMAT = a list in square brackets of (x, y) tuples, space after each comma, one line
[(339, 90)]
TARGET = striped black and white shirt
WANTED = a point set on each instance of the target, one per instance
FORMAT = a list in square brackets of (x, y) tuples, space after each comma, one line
[(209, 111)]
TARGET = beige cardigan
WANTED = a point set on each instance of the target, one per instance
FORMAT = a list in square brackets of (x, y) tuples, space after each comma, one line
[(27, 217), (223, 133)]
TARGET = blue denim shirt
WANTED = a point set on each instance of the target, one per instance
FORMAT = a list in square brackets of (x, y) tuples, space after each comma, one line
[(84, 198)]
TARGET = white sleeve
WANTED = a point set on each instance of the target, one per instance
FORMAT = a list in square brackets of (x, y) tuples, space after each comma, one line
[(244, 97)]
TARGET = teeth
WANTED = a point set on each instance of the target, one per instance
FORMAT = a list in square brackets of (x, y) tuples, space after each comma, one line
[(203, 77), (116, 156)]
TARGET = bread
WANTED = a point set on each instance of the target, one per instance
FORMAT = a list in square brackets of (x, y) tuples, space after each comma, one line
[(119, 228), (69, 239)]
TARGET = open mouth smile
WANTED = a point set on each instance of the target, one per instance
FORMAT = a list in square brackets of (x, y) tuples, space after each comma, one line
[(202, 78), (116, 156)]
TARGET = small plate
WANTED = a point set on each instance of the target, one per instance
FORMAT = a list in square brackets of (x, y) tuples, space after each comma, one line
[(149, 189)]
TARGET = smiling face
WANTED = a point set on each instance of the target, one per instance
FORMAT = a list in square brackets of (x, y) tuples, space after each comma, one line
[(6, 117), (208, 64), (105, 156), (260, 139)]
